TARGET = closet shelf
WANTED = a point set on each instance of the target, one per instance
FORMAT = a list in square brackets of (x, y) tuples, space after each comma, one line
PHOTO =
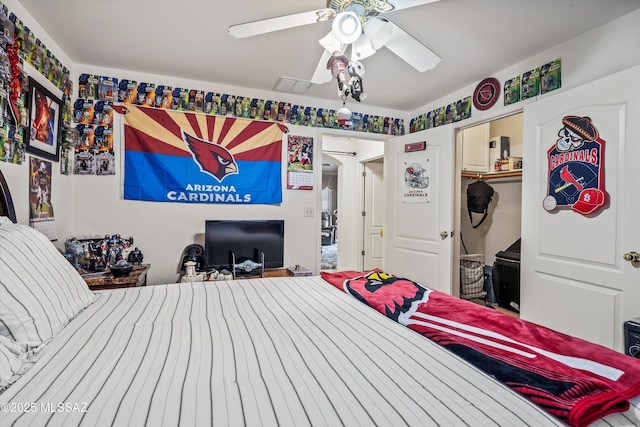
[(491, 175)]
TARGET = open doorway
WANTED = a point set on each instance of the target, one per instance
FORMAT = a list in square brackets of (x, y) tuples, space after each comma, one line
[(329, 215), (492, 152), (349, 154)]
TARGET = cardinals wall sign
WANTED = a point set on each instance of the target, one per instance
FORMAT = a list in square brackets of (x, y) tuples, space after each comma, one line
[(184, 157), (576, 163)]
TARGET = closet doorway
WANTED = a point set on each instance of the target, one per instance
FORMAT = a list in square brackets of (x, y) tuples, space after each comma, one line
[(492, 152), (329, 215)]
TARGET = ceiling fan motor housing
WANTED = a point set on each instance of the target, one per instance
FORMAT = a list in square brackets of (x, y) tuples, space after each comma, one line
[(365, 8)]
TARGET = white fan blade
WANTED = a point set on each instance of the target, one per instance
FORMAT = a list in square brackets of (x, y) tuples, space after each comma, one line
[(322, 74), (405, 4), (263, 26), (411, 50)]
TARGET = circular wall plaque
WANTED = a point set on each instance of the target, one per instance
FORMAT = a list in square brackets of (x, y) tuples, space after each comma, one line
[(486, 94)]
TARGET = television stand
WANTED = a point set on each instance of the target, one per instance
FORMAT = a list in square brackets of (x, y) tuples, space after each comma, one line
[(271, 272)]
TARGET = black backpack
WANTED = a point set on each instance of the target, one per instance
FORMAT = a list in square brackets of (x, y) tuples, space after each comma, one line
[(479, 196)]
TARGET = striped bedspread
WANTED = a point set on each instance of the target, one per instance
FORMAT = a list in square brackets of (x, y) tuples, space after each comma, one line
[(261, 352)]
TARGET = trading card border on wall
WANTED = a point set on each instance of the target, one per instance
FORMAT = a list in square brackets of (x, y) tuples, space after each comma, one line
[(530, 84), (107, 88), (550, 76), (512, 91), (86, 156), (110, 159), (127, 91)]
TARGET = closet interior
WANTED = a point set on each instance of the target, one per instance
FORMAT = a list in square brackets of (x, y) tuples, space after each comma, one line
[(490, 253)]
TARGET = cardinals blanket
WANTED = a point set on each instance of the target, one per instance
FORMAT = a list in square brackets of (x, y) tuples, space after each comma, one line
[(575, 380)]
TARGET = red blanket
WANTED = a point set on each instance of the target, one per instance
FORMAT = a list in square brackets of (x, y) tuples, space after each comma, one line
[(575, 380)]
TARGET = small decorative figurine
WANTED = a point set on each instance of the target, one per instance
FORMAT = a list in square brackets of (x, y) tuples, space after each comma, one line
[(136, 256)]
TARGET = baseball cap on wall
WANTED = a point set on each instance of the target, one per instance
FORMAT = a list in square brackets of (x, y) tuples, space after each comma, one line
[(589, 201)]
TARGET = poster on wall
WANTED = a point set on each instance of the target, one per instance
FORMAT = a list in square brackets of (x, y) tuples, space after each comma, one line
[(40, 207), (299, 162), (416, 174), (44, 122), (575, 168)]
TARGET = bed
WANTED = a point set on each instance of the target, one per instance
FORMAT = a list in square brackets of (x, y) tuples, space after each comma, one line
[(276, 351)]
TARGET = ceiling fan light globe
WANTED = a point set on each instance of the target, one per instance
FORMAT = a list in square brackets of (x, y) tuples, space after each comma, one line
[(378, 31), (346, 27)]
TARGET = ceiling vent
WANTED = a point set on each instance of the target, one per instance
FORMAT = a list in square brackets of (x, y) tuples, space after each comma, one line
[(291, 85)]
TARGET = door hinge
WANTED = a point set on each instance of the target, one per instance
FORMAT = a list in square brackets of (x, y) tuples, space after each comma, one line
[(364, 213), (364, 173), (362, 253)]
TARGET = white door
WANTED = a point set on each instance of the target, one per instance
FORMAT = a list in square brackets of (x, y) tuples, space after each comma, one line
[(373, 220), (574, 276), (417, 232)]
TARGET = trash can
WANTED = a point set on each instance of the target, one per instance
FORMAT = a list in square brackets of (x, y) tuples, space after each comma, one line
[(472, 276), (506, 277)]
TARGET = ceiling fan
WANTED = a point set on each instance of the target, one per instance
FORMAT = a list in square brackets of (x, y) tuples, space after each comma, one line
[(356, 23)]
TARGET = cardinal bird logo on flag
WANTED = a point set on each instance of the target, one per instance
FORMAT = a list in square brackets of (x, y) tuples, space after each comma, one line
[(187, 157), (212, 158)]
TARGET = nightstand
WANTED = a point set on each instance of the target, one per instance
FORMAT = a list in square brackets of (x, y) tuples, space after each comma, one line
[(105, 280)]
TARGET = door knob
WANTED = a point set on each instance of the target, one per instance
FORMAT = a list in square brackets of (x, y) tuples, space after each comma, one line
[(632, 256), (444, 235)]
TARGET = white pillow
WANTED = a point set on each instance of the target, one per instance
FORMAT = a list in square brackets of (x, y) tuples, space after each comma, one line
[(11, 361), (40, 291), (4, 220)]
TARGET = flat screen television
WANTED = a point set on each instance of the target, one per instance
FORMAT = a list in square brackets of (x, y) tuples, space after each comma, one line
[(244, 238)]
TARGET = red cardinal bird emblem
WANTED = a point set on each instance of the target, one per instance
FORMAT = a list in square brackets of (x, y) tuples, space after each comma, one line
[(396, 297), (212, 158), (567, 177)]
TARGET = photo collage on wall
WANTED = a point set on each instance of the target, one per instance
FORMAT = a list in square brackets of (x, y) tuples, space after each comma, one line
[(93, 134)]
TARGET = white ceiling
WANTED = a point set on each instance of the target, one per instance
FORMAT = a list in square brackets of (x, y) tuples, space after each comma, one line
[(189, 39)]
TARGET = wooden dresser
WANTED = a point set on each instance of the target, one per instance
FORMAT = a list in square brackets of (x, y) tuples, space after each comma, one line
[(105, 280)]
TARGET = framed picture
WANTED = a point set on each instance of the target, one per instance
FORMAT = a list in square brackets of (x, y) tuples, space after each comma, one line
[(45, 115)]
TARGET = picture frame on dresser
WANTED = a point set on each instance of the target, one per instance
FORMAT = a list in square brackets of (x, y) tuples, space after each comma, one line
[(44, 119)]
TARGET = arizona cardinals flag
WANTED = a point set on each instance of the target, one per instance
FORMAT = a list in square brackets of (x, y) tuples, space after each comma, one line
[(173, 156)]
